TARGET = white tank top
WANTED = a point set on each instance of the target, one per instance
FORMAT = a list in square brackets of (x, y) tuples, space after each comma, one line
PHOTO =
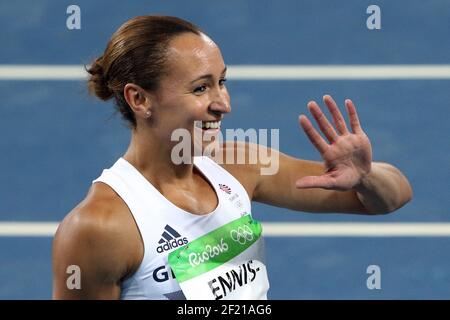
[(165, 227)]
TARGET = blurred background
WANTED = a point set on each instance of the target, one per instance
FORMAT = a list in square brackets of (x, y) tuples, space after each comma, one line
[(55, 139)]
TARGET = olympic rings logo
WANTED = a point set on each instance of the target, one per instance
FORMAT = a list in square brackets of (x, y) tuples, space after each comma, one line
[(242, 235)]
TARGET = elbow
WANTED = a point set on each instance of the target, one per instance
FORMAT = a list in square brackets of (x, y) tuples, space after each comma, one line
[(390, 208), (405, 195), (386, 209), (381, 211)]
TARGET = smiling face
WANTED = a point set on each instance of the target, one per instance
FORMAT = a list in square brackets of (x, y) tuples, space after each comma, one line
[(193, 89)]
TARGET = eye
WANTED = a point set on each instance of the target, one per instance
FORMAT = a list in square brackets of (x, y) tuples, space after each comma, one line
[(200, 89), (222, 82)]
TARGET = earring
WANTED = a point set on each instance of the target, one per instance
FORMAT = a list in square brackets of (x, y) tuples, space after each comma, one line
[(148, 113)]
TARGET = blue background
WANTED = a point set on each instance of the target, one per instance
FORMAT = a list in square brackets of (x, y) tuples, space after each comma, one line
[(55, 139)]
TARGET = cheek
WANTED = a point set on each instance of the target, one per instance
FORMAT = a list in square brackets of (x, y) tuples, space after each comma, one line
[(194, 107), (199, 102), (178, 104)]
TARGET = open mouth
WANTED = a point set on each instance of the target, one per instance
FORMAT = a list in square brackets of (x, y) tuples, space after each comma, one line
[(210, 125)]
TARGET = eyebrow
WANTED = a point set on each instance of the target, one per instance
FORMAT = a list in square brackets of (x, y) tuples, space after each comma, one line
[(207, 76)]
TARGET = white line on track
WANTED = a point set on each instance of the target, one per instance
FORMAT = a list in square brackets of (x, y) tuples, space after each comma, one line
[(256, 72), (277, 229)]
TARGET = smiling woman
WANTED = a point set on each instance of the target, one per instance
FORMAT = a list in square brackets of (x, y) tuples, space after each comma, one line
[(154, 228)]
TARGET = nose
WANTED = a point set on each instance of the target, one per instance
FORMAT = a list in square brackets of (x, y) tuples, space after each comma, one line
[(220, 102)]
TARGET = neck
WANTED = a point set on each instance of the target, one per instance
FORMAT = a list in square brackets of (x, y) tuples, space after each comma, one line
[(151, 155)]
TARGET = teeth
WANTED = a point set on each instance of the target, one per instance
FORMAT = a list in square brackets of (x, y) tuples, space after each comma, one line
[(211, 124)]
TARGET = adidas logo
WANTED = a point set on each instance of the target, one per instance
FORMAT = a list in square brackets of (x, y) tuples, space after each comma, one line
[(170, 239)]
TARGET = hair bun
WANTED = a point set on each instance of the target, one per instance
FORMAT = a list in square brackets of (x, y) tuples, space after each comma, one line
[(98, 82)]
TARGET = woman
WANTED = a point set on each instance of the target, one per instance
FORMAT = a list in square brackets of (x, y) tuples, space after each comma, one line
[(147, 213)]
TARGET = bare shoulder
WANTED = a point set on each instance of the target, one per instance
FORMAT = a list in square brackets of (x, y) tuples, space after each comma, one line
[(102, 211), (100, 236)]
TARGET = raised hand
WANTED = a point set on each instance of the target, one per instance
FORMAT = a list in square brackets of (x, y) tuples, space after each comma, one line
[(347, 155)]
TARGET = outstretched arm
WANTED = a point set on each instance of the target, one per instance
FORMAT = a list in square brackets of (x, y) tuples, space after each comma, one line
[(347, 181)]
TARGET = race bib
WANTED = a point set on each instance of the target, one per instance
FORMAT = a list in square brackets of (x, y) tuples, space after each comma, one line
[(227, 263)]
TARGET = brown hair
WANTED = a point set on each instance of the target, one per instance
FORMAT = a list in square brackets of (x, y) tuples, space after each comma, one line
[(136, 53)]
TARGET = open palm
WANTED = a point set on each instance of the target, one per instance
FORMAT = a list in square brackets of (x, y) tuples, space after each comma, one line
[(347, 155)]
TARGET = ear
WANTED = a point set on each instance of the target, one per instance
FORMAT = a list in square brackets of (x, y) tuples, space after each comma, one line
[(138, 100)]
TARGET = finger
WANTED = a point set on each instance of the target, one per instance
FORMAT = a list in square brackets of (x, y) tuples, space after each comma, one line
[(314, 182), (338, 119), (353, 115), (324, 125), (313, 135)]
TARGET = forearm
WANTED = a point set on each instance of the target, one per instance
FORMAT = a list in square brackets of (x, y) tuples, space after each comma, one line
[(384, 189)]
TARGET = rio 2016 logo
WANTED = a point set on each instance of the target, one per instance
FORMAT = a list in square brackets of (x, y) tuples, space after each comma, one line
[(196, 259)]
